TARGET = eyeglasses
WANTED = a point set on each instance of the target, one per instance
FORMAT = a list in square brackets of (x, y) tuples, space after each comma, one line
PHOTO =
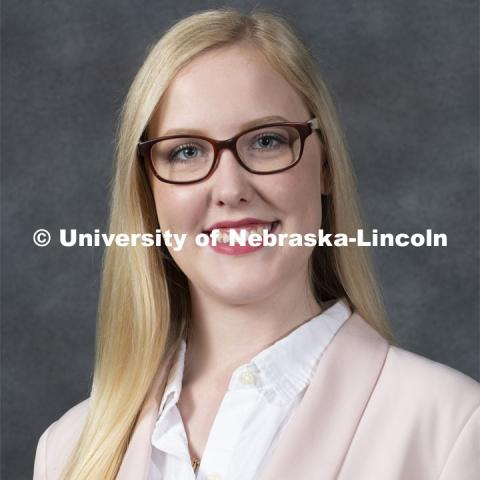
[(267, 149)]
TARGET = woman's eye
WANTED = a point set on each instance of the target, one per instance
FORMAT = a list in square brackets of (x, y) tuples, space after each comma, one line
[(267, 141), (184, 153)]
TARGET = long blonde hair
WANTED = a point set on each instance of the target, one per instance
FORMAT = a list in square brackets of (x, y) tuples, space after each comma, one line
[(144, 306)]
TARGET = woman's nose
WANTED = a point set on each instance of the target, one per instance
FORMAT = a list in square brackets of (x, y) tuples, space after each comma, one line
[(230, 182)]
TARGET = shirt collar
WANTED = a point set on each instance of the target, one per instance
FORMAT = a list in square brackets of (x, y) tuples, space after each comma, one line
[(281, 370), (174, 380), (285, 368)]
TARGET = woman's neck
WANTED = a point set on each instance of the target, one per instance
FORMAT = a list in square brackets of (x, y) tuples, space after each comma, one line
[(225, 336)]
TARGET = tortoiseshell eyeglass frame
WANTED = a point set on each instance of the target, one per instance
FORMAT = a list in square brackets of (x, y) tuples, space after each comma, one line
[(304, 130)]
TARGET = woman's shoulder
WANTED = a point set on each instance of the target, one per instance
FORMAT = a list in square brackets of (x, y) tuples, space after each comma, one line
[(70, 424), (425, 374), (427, 391), (411, 376), (58, 441)]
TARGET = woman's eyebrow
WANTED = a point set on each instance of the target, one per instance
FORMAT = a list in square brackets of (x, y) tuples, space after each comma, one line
[(245, 126)]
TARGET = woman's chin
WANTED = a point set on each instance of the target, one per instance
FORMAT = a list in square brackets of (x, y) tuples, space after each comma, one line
[(242, 293)]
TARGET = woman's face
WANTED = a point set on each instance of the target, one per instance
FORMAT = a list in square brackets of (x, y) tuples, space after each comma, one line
[(217, 95)]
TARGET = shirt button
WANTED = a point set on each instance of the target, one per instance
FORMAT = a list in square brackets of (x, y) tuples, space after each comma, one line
[(247, 378), (214, 476), (270, 395)]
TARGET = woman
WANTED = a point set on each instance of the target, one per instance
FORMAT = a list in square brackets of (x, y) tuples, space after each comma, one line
[(234, 362)]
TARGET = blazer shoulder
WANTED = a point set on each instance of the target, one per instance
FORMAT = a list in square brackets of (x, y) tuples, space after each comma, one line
[(428, 393), (433, 410), (58, 441), (432, 376)]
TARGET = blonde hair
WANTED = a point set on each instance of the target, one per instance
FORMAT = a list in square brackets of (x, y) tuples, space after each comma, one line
[(144, 306)]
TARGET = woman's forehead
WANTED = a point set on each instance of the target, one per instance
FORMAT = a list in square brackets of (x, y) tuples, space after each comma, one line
[(228, 86)]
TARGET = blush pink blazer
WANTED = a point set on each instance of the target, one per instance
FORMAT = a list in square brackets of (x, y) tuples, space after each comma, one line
[(372, 412)]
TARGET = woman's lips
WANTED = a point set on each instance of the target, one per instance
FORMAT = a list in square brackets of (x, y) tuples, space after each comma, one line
[(222, 240), (248, 222)]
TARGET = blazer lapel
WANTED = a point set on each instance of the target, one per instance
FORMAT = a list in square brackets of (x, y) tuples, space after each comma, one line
[(314, 444), (136, 461)]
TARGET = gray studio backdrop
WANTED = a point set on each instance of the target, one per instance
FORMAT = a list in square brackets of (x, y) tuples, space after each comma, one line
[(403, 74)]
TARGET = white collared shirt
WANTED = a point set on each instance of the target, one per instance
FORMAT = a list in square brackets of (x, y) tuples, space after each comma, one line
[(260, 400)]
